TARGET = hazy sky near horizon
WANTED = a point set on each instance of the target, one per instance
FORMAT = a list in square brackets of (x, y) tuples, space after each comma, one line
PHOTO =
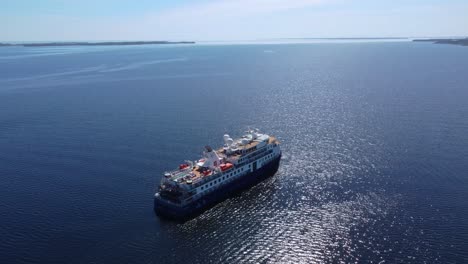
[(62, 20)]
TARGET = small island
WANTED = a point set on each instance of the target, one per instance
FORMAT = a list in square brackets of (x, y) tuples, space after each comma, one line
[(461, 42), (107, 43)]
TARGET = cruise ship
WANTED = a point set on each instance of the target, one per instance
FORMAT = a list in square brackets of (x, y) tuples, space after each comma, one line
[(197, 185)]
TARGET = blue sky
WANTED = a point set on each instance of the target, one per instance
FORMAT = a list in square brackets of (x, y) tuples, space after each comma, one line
[(46, 20)]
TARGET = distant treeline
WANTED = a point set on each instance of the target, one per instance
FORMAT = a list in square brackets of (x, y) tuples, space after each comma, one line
[(108, 43), (462, 42)]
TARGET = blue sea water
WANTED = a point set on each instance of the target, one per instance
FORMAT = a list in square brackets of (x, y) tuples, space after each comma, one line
[(374, 139)]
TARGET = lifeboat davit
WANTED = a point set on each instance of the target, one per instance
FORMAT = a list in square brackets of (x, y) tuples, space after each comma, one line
[(226, 166), (183, 166)]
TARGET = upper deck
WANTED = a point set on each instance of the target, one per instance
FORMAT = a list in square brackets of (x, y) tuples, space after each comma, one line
[(192, 173)]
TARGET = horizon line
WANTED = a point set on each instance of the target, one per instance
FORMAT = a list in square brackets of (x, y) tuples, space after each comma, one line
[(234, 40)]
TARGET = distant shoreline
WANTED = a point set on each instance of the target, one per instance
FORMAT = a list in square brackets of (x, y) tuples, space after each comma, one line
[(351, 38), (107, 43), (460, 42)]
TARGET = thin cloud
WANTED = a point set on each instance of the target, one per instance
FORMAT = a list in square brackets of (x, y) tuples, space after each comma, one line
[(237, 8), (211, 18)]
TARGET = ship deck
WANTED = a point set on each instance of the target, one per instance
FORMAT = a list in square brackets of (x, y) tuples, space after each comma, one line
[(194, 174), (272, 140), (250, 145)]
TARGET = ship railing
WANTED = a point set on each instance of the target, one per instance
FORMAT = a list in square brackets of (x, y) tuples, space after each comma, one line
[(206, 179), (254, 154), (178, 173), (255, 157), (220, 173)]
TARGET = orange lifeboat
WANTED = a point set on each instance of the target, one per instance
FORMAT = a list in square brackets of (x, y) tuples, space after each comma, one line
[(226, 166)]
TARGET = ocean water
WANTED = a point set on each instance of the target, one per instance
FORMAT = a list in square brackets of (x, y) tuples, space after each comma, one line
[(374, 139)]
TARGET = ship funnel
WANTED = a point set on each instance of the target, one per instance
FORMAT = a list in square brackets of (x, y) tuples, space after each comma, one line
[(212, 159)]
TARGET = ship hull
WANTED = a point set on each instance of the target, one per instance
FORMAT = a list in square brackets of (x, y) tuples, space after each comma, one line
[(168, 210)]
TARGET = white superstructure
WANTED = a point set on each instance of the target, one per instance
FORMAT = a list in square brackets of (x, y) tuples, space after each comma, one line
[(236, 159)]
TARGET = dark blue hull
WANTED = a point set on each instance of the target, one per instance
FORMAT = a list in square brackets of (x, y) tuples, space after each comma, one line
[(168, 210)]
